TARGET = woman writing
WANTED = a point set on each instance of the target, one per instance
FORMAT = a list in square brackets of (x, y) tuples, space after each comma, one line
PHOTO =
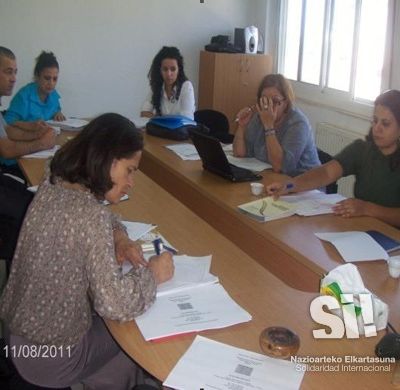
[(67, 263), (375, 163), (275, 131), (38, 100), (171, 91)]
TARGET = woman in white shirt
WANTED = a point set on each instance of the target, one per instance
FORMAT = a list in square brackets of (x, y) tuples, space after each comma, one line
[(171, 91)]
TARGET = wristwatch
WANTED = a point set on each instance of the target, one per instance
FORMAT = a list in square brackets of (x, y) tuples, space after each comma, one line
[(268, 132)]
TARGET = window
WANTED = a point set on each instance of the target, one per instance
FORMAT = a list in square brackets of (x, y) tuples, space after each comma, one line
[(336, 47)]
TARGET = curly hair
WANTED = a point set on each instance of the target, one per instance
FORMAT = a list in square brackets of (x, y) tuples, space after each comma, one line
[(88, 157), (43, 61), (391, 100), (156, 80)]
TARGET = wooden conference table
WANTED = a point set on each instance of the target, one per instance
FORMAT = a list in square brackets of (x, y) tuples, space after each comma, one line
[(270, 301), (287, 247)]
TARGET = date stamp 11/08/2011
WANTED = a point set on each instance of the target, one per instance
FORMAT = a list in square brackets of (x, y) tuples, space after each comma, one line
[(38, 351)]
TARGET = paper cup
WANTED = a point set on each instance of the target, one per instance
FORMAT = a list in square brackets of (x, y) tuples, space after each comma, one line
[(256, 188), (394, 266)]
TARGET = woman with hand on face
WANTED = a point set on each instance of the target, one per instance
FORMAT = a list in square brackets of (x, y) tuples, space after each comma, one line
[(171, 91), (38, 100), (67, 264), (375, 163), (275, 131)]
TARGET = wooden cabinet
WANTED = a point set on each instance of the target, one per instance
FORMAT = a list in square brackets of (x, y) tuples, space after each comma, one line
[(229, 82)]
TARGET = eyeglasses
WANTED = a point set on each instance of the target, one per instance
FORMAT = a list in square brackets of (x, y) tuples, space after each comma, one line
[(276, 101)]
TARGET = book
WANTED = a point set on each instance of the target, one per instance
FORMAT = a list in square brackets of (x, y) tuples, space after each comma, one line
[(387, 243), (268, 209)]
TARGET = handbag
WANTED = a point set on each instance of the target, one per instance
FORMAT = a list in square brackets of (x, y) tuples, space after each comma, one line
[(176, 127)]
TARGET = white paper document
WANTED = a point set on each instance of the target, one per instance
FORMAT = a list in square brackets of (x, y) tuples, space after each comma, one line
[(189, 272), (69, 124), (184, 151), (137, 230), (211, 365), (194, 310), (250, 163), (355, 246), (43, 153), (313, 202)]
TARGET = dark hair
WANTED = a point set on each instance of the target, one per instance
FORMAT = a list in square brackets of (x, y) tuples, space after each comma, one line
[(156, 80), (4, 52), (87, 158), (281, 84), (45, 60), (391, 100)]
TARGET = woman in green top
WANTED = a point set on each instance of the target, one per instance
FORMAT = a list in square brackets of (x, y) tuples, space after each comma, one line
[(375, 162)]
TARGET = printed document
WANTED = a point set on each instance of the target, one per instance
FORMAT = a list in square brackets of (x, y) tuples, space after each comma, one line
[(193, 310), (211, 365), (185, 151), (355, 246), (189, 272), (313, 202)]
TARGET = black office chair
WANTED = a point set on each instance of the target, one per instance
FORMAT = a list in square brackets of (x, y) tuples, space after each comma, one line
[(324, 158), (216, 122)]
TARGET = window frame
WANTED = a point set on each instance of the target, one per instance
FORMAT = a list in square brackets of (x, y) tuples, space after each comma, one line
[(324, 96)]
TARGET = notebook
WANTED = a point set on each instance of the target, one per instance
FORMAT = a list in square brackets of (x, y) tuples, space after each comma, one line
[(387, 243), (215, 160)]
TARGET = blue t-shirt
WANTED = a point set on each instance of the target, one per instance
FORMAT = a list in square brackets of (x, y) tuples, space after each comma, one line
[(295, 137), (26, 105)]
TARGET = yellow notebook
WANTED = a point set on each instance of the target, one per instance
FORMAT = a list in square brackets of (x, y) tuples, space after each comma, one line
[(268, 209)]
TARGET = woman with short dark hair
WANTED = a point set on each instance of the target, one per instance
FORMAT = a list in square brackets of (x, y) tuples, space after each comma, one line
[(275, 131), (67, 264), (171, 91), (375, 162), (39, 99)]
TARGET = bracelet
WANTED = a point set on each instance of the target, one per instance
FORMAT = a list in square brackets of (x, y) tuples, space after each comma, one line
[(268, 132)]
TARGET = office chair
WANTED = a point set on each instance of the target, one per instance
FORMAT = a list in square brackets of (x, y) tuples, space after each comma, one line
[(216, 122), (324, 158)]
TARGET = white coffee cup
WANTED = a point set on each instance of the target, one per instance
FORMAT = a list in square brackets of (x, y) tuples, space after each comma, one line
[(394, 266), (257, 188)]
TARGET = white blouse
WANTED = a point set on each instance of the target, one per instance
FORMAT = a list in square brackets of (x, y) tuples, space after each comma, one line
[(185, 105)]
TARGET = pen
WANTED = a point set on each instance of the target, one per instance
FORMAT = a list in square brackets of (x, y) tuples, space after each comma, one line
[(159, 246)]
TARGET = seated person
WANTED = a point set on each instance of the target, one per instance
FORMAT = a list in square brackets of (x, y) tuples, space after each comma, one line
[(39, 99), (67, 264), (171, 91), (275, 131), (375, 162), (26, 137)]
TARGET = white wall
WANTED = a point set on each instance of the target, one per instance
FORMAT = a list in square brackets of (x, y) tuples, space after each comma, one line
[(105, 47)]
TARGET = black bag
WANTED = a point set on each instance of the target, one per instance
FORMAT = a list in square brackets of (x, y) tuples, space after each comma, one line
[(176, 127)]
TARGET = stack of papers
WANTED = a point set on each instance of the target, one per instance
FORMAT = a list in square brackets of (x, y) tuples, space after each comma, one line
[(69, 124), (191, 310), (43, 153), (209, 364), (305, 204), (355, 246)]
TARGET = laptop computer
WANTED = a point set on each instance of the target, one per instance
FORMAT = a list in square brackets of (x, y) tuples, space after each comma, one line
[(215, 161)]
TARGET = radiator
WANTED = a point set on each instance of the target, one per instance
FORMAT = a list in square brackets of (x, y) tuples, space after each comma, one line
[(332, 139)]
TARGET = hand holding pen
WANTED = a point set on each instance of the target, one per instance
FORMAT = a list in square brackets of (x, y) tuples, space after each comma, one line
[(244, 115), (161, 265), (277, 189)]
